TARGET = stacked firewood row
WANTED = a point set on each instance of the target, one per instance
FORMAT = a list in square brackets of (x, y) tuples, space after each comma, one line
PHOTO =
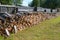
[(11, 25)]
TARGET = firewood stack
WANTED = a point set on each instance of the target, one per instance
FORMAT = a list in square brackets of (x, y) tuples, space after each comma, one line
[(23, 21)]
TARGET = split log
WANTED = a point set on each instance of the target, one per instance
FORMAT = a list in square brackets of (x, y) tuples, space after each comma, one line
[(15, 29), (7, 32)]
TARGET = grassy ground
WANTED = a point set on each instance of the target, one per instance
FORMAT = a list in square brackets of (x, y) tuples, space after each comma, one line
[(47, 30)]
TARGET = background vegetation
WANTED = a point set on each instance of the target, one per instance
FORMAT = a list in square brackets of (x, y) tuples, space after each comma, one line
[(11, 2), (45, 3)]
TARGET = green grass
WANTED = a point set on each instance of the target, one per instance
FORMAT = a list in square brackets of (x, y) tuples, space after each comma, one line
[(47, 30), (1, 38)]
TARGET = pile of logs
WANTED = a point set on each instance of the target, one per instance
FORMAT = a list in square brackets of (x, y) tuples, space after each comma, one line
[(20, 22)]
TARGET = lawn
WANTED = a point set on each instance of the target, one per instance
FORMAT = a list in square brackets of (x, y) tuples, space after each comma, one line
[(47, 30)]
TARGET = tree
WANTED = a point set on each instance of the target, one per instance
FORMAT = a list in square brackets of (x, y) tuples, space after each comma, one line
[(17, 2), (45, 3), (10, 2), (34, 3), (42, 2), (58, 3), (50, 4), (6, 1)]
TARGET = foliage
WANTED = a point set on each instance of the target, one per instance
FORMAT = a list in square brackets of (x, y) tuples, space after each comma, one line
[(17, 2), (50, 4), (6, 1), (34, 3), (58, 3), (10, 2), (46, 3)]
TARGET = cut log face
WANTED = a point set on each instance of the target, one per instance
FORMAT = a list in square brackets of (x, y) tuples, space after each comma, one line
[(7, 32), (15, 28)]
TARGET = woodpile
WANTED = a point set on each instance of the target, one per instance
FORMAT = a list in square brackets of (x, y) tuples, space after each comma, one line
[(22, 22)]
